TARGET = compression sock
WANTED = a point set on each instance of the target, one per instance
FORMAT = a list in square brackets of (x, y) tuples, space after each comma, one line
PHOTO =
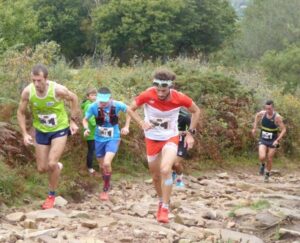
[(106, 181)]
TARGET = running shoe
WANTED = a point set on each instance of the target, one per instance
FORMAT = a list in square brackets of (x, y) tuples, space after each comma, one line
[(262, 169), (104, 196), (60, 165), (179, 183), (163, 216), (158, 210), (49, 203), (267, 176), (91, 171)]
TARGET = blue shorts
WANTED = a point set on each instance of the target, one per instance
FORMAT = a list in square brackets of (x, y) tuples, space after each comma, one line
[(103, 147), (268, 143), (45, 138)]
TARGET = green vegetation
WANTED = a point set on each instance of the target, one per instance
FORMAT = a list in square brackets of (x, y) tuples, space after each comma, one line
[(268, 25), (257, 206), (123, 29), (260, 205), (228, 67)]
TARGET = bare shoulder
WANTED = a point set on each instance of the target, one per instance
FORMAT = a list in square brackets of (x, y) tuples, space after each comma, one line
[(278, 117), (25, 93), (60, 89), (62, 92), (261, 113)]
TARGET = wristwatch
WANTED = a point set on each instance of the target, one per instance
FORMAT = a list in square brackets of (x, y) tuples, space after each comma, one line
[(192, 131)]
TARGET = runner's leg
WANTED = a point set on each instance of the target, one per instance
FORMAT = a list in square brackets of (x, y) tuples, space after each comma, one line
[(56, 150), (42, 154), (271, 153), (169, 155), (154, 169), (90, 153), (262, 154)]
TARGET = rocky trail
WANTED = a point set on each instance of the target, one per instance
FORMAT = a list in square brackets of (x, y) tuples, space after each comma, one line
[(219, 207)]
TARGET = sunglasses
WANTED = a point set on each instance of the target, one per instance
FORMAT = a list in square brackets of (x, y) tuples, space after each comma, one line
[(162, 83)]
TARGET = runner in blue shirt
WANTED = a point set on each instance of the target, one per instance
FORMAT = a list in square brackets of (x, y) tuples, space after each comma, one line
[(107, 133)]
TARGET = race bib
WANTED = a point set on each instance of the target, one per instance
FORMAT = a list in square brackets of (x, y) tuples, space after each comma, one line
[(107, 132), (160, 123), (267, 135), (49, 120)]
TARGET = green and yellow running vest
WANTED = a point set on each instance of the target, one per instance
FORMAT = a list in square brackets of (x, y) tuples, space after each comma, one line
[(49, 114)]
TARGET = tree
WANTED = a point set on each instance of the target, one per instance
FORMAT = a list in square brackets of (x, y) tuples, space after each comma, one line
[(18, 24), (283, 68), (66, 22), (137, 27), (205, 24), (268, 25), (158, 28)]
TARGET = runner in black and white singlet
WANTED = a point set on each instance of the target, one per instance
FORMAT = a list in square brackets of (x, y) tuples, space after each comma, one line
[(271, 124)]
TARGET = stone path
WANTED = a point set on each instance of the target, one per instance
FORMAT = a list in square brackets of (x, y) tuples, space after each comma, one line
[(222, 207)]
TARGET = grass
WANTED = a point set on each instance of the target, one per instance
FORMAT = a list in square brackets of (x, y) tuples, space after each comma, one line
[(260, 205), (257, 206)]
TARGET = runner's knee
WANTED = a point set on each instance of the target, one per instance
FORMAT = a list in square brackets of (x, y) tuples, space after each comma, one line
[(165, 172), (53, 166), (262, 157), (42, 169), (155, 177)]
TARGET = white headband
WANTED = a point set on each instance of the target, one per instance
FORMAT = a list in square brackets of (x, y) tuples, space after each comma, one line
[(162, 81)]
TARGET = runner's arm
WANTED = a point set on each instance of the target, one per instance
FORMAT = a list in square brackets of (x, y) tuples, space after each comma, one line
[(256, 119), (127, 121), (65, 94), (85, 125), (195, 111), (131, 111), (280, 123), (22, 110), (22, 117)]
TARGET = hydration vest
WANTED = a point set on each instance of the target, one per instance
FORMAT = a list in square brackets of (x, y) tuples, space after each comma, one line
[(113, 118)]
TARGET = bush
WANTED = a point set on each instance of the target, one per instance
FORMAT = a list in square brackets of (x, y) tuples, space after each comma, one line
[(282, 68)]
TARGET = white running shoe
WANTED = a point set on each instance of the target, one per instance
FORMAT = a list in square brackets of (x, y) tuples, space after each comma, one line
[(60, 165), (91, 170)]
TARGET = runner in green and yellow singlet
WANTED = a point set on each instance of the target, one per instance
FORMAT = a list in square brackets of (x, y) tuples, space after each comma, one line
[(50, 120)]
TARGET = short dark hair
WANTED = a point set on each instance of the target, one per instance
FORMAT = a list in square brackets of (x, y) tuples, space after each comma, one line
[(38, 68), (164, 74), (91, 91), (269, 102), (104, 90)]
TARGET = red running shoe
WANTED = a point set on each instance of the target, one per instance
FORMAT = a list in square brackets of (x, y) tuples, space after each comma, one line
[(158, 210), (163, 216), (104, 196), (49, 203)]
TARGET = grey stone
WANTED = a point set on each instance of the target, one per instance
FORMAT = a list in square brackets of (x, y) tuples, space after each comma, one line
[(30, 224), (244, 211), (283, 231), (229, 235), (45, 214), (266, 219), (16, 217), (60, 201), (39, 233), (79, 214), (223, 175), (89, 224)]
